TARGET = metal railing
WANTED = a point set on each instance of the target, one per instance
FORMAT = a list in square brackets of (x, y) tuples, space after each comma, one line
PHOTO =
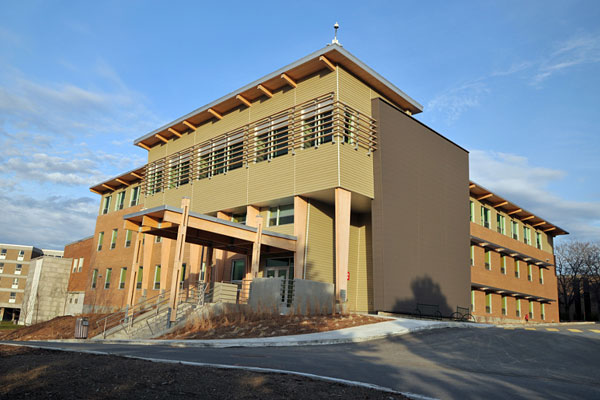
[(310, 124)]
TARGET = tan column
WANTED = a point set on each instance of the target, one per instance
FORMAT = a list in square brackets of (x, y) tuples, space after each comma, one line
[(135, 265), (147, 263), (195, 263), (300, 217), (342, 242), (165, 265), (179, 248), (256, 247), (221, 255), (208, 262), (252, 213)]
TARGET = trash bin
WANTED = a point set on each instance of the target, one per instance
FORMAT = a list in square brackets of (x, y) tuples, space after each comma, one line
[(81, 327)]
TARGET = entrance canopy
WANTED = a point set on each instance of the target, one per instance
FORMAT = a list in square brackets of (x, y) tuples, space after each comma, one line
[(209, 231)]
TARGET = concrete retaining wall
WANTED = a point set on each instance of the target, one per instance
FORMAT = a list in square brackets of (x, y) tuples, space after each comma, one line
[(265, 294), (312, 297)]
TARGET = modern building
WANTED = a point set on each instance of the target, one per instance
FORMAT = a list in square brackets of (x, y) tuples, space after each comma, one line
[(14, 269), (316, 171)]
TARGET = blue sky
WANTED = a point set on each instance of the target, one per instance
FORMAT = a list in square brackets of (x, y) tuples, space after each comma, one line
[(516, 83)]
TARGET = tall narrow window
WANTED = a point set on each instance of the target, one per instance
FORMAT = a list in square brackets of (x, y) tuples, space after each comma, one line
[(157, 239), (517, 269), (1, 268), (80, 264), (179, 168), (472, 255), (488, 259), (238, 269), (538, 240), (504, 305), (106, 205), (527, 235), (471, 211), (140, 276), (157, 277), (21, 255), (530, 309), (3, 254), (518, 308), (107, 278), (485, 216), (128, 236), (100, 240), (541, 276), (122, 277), (94, 278), (529, 272), (135, 196), (488, 303), (472, 300), (542, 311), (500, 223), (120, 203), (13, 297), (75, 262), (18, 269), (503, 265), (271, 138), (15, 284), (113, 239), (317, 124), (514, 229)]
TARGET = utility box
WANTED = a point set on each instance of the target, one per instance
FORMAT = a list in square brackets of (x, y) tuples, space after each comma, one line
[(81, 328)]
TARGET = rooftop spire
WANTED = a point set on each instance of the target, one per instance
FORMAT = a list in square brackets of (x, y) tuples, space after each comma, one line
[(335, 41)]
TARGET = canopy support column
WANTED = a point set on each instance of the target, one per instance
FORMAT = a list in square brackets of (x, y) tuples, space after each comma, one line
[(179, 247)]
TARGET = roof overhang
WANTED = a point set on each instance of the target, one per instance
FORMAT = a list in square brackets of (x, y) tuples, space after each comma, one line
[(206, 230), (118, 182), (325, 58), (487, 288), (480, 193)]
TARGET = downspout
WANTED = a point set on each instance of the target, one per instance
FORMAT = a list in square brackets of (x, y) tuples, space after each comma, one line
[(306, 239)]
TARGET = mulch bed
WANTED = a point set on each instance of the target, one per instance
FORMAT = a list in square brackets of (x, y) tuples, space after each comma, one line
[(27, 373), (56, 328)]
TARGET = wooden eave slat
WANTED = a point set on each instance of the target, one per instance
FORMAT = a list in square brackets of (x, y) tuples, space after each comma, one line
[(500, 204), (328, 63), (95, 191), (108, 187), (289, 80), (472, 185), (265, 90), (143, 146), (215, 113), (174, 132), (190, 125), (514, 211), (121, 181), (528, 218), (137, 176), (485, 196), (539, 223), (161, 138), (243, 100)]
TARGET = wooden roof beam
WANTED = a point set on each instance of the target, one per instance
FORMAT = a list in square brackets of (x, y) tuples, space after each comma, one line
[(190, 125), (485, 196), (265, 90), (528, 218), (162, 138), (328, 63), (500, 204), (243, 100), (539, 223), (289, 80), (121, 181), (550, 229), (515, 211), (214, 113), (472, 185), (95, 191), (143, 146), (174, 132), (108, 187), (137, 175)]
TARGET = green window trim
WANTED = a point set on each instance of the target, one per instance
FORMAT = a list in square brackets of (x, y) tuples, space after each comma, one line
[(107, 278), (140, 277), (156, 285), (122, 278), (100, 240), (94, 278)]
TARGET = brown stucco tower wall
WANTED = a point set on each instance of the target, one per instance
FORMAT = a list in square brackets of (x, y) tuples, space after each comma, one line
[(420, 216)]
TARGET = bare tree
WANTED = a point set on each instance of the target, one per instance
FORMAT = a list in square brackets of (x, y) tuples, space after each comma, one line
[(576, 260)]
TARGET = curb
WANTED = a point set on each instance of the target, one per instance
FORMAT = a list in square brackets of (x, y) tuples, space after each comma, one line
[(276, 341), (347, 382)]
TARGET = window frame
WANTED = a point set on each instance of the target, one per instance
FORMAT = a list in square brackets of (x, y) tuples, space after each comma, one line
[(107, 277), (122, 277), (94, 278), (157, 271), (100, 240), (135, 196), (106, 206), (113, 239)]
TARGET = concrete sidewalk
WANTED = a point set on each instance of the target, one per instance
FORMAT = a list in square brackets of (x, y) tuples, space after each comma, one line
[(395, 327)]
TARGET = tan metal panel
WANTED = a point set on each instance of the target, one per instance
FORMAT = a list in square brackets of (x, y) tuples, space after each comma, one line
[(353, 92), (320, 252), (156, 152), (220, 192), (178, 144), (269, 180), (315, 85), (316, 168), (266, 106), (356, 170)]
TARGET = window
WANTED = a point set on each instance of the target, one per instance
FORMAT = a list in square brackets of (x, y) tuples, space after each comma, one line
[(472, 255), (538, 240), (154, 180), (541, 276), (317, 123), (1, 268), (518, 309), (122, 277), (140, 276), (542, 311), (107, 278), (113, 239), (94, 278), (514, 229), (157, 277), (471, 211), (271, 138), (157, 239), (529, 272), (239, 218), (3, 254), (106, 205), (526, 235), (100, 240), (504, 305), (472, 300), (75, 262), (183, 268), (238, 270), (128, 236), (281, 215), (15, 284), (517, 269), (221, 155), (488, 303), (500, 223), (13, 297), (485, 216), (21, 255), (488, 260), (120, 201), (503, 265), (80, 264), (179, 169), (135, 196), (530, 309), (18, 269)]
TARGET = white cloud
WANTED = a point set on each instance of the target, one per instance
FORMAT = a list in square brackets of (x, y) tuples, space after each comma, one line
[(512, 176), (455, 101)]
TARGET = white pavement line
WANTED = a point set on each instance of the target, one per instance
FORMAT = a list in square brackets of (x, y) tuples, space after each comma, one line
[(410, 395)]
